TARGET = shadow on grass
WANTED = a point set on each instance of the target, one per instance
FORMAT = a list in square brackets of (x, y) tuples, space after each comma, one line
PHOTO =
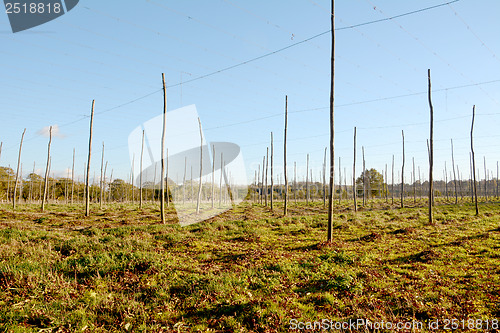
[(247, 314), (425, 256)]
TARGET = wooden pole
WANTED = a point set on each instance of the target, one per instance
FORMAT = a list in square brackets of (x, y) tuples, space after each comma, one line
[(132, 178), (17, 172), (213, 175), (262, 183), (154, 186), (460, 184), (87, 186), (191, 196), (221, 174), (403, 171), (46, 181), (267, 166), (110, 182), (72, 177), (140, 170), (431, 147), (201, 169), (392, 182), (345, 183), (332, 129), (162, 179), (414, 182), (445, 181), (21, 183), (285, 208), (103, 190), (386, 187), (307, 180), (364, 174), (471, 178), (295, 181), (485, 180), (454, 174), (272, 170), (354, 194), (324, 179), (340, 181), (101, 185), (497, 179), (473, 158), (184, 181), (166, 182)]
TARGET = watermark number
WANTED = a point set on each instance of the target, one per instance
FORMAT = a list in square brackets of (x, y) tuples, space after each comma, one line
[(32, 8)]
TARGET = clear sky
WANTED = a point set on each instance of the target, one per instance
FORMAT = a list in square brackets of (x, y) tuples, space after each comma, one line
[(115, 51)]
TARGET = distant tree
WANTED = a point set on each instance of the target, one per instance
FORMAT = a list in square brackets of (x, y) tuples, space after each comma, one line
[(6, 175), (375, 182), (118, 189)]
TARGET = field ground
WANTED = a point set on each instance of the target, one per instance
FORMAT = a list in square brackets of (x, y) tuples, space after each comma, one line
[(247, 270)]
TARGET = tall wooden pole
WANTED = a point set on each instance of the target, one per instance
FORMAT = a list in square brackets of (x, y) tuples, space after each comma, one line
[(345, 183), (17, 172), (324, 179), (364, 174), (101, 184), (220, 179), (445, 181), (403, 171), (140, 170), (340, 181), (213, 175), (471, 185), (485, 180), (162, 178), (267, 167), (454, 174), (166, 181), (132, 178), (386, 185), (460, 184), (262, 184), (332, 129), (184, 181), (431, 147), (307, 180), (354, 194), (473, 158), (497, 179), (414, 182), (392, 182), (72, 177), (87, 185), (272, 170), (295, 181), (201, 169), (285, 208), (154, 186), (21, 183)]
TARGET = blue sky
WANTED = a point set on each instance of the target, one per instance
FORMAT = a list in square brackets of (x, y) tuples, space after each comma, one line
[(114, 52)]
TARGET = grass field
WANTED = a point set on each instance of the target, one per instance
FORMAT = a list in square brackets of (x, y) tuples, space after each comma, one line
[(247, 270)]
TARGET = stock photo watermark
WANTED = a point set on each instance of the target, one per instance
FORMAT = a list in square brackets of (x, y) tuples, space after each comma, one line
[(204, 179), (366, 324), (27, 14)]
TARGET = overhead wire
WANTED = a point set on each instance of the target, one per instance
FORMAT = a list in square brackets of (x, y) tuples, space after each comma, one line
[(269, 54), (392, 19), (473, 33)]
